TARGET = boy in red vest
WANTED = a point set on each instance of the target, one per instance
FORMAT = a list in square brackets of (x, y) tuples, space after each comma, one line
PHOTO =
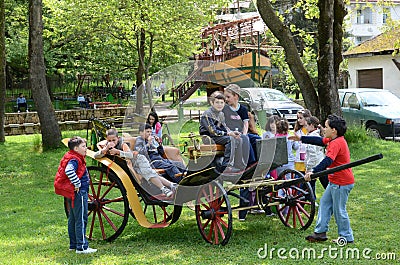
[(72, 182)]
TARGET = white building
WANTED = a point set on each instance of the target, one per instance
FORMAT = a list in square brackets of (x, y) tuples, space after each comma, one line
[(375, 63), (367, 18)]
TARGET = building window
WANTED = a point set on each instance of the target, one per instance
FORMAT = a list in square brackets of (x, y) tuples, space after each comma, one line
[(385, 15), (359, 16), (359, 40), (364, 16)]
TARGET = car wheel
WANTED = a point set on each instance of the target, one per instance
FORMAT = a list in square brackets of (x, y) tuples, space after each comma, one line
[(373, 131)]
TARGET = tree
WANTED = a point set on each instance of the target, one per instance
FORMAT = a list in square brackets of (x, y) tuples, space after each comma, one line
[(330, 33), (125, 37), (2, 71), (51, 134)]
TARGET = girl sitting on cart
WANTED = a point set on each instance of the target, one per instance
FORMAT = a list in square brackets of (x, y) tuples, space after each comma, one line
[(141, 165)]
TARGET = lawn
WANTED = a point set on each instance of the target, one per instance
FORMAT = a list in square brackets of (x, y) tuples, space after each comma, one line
[(33, 227)]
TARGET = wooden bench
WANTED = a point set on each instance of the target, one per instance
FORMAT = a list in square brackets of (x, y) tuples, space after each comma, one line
[(99, 104)]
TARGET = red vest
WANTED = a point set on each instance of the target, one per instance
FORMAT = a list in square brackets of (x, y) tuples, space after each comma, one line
[(62, 184)]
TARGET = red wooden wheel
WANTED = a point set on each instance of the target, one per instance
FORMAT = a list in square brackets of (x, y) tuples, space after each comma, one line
[(297, 202), (214, 214)]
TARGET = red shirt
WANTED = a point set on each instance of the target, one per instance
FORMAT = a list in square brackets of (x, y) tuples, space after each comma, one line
[(338, 150)]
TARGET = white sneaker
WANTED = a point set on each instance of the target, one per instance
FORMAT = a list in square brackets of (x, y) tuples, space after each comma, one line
[(174, 186), (257, 211), (86, 251), (167, 192)]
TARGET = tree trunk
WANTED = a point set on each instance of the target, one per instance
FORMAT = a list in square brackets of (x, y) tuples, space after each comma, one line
[(51, 135), (147, 67), (328, 66), (292, 57), (2, 72), (140, 41)]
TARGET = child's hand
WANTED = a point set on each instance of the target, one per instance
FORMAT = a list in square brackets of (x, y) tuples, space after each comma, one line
[(114, 151), (294, 137), (307, 176)]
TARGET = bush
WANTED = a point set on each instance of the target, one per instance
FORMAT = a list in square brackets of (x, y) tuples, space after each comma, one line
[(357, 134)]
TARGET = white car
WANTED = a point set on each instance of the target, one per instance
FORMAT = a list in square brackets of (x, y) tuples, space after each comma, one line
[(273, 101)]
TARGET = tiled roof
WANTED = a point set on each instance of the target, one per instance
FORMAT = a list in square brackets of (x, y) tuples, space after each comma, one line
[(383, 43)]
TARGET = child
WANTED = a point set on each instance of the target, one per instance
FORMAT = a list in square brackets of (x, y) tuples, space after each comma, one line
[(300, 130), (147, 145), (314, 153), (81, 100), (152, 119), (335, 197), (21, 102), (141, 165), (270, 127), (212, 123), (282, 129), (270, 132), (237, 117), (72, 182)]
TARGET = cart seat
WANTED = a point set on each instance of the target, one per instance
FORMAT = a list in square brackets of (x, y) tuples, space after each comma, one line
[(171, 153), (207, 147)]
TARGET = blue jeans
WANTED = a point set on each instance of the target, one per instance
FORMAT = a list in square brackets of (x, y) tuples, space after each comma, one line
[(245, 193), (334, 201), (253, 147), (77, 221)]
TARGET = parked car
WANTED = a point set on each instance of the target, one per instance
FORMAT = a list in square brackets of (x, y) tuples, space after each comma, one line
[(377, 109), (273, 101)]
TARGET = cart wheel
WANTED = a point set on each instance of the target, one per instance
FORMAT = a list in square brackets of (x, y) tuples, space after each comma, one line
[(162, 213), (108, 209), (167, 140), (296, 206), (214, 214)]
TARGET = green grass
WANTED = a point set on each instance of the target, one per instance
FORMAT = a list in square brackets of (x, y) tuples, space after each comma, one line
[(33, 227)]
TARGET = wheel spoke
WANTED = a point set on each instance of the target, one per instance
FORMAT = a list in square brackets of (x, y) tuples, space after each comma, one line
[(221, 221), (303, 210), (299, 217), (92, 225), (101, 225), (108, 190), (114, 211), (210, 232), (109, 221), (216, 237)]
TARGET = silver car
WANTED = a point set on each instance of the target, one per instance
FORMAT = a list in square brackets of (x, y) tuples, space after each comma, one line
[(273, 101)]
